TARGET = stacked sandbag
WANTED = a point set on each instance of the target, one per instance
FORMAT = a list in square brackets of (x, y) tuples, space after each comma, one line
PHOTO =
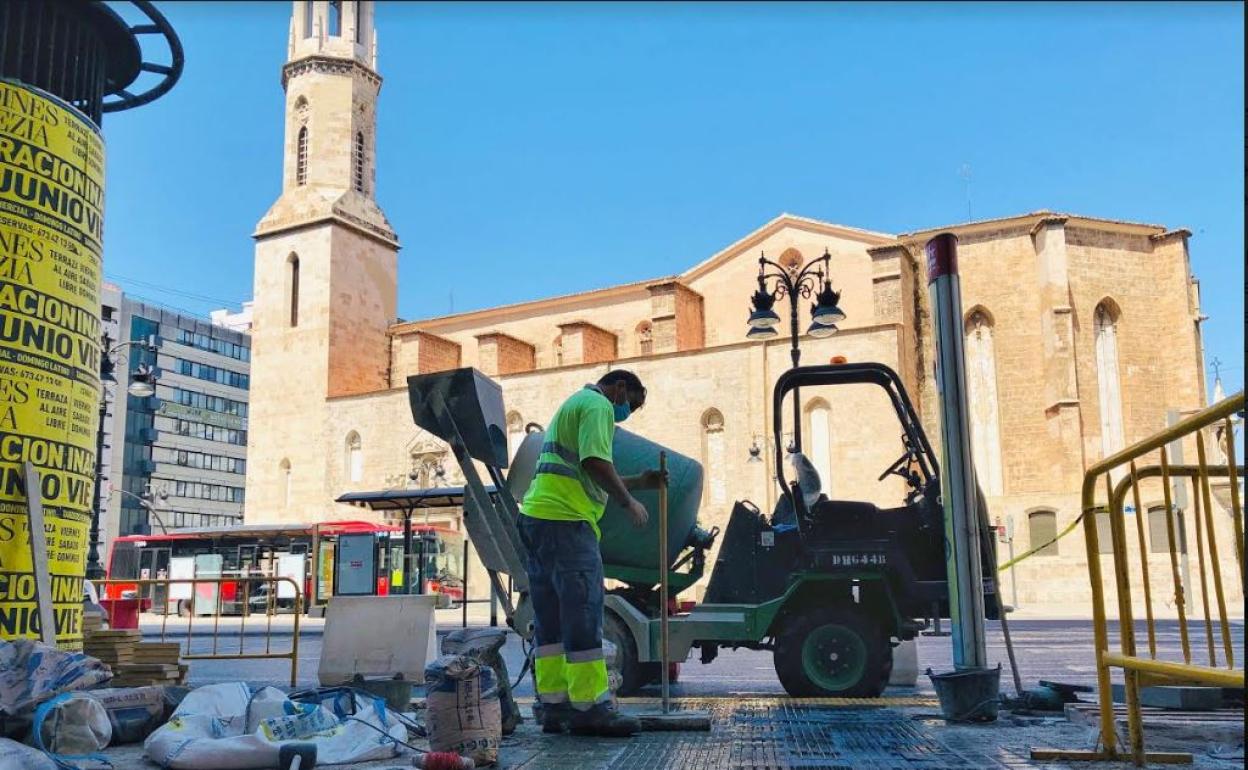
[(462, 711)]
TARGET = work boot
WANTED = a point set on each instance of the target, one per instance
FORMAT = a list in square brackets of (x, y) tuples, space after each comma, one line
[(555, 716), (604, 721)]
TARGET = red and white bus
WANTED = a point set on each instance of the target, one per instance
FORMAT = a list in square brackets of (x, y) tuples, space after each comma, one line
[(328, 559)]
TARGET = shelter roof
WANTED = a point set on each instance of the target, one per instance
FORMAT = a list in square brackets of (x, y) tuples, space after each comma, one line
[(407, 499)]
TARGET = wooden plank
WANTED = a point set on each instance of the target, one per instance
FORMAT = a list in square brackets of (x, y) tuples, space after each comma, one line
[(39, 555)]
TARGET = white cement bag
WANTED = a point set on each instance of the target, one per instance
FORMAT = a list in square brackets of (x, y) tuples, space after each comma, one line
[(133, 712), (462, 711), (72, 727), (18, 756), (32, 672), (225, 727)]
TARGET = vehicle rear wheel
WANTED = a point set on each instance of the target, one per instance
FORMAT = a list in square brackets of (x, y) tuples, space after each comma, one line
[(633, 673), (834, 652)]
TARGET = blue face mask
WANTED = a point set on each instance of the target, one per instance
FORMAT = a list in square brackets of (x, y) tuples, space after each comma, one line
[(622, 411)]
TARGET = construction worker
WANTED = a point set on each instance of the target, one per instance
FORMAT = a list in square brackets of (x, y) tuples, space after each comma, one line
[(559, 530)]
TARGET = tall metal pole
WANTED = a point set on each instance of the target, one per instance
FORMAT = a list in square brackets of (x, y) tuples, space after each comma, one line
[(95, 570), (665, 675), (962, 535), (464, 566), (407, 551), (796, 353)]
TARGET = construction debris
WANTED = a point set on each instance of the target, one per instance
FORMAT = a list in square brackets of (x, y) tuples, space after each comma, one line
[(136, 663), (113, 646)]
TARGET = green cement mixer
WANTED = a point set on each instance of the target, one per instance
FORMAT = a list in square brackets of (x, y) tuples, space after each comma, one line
[(829, 586), (628, 554)]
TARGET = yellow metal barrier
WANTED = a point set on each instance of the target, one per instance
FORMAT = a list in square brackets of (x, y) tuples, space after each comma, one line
[(222, 637), (1137, 668)]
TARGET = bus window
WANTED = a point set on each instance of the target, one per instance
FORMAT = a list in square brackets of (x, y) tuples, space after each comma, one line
[(125, 562), (396, 568), (247, 559), (325, 568), (230, 562)]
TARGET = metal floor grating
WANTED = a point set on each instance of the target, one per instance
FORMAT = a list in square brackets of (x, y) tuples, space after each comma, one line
[(767, 735), (780, 734)]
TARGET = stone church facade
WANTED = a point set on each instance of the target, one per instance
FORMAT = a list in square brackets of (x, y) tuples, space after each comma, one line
[(1082, 336)]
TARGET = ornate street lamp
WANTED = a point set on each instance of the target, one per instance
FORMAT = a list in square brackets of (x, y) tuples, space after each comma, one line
[(825, 313), (142, 384)]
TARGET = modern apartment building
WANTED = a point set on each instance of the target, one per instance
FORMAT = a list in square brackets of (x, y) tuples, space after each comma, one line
[(181, 452)]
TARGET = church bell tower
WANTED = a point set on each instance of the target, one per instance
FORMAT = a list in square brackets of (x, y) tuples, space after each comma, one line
[(326, 261)]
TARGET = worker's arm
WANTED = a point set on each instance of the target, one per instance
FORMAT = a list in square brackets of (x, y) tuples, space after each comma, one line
[(604, 475), (594, 435), (646, 480)]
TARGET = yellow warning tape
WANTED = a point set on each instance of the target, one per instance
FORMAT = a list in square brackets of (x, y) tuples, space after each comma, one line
[(1042, 546)]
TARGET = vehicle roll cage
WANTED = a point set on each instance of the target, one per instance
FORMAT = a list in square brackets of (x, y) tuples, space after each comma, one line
[(918, 448)]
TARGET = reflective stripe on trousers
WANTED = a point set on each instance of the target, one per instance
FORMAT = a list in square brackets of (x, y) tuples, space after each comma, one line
[(550, 673), (565, 585), (587, 678)]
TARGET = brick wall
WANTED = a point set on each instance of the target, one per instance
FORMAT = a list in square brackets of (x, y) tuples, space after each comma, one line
[(676, 317), (584, 343), (499, 354)]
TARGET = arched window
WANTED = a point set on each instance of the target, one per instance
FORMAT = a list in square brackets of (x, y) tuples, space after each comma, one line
[(285, 480), (301, 157), (335, 17), (1104, 532), (1159, 531), (556, 347), (1042, 528), (715, 487), (515, 432), (1105, 328), (358, 162), (819, 431), (981, 385), (292, 287), (355, 457), (645, 338)]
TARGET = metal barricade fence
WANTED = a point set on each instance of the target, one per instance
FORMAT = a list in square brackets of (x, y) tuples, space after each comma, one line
[(223, 642), (1141, 669)]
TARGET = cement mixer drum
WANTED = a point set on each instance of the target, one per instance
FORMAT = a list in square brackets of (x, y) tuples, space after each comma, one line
[(623, 545)]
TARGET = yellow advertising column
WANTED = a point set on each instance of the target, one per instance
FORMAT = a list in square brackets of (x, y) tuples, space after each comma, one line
[(51, 227)]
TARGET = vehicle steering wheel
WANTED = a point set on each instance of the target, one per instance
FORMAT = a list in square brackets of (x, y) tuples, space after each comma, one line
[(898, 467)]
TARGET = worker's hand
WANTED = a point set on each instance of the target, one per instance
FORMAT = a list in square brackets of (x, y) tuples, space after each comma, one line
[(638, 513)]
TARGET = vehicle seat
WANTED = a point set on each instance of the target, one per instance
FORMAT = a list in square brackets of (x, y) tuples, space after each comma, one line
[(811, 485)]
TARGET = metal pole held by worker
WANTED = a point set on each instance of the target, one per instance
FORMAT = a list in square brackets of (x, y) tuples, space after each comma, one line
[(663, 620), (666, 720), (962, 535)]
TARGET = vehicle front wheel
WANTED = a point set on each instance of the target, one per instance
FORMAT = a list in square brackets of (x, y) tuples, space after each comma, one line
[(633, 673), (833, 652)]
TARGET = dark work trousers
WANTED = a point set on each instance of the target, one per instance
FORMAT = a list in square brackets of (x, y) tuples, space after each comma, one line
[(565, 585)]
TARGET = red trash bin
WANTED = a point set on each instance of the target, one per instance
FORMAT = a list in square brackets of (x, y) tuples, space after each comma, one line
[(124, 613)]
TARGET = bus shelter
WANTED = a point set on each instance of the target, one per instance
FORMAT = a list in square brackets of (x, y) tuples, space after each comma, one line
[(406, 502)]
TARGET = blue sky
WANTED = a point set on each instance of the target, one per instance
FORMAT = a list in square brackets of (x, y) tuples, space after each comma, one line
[(610, 143)]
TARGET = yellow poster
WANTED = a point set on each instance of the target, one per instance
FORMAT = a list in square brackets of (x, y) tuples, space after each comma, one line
[(51, 228)]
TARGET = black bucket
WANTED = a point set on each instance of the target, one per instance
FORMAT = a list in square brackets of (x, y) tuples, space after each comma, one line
[(969, 694)]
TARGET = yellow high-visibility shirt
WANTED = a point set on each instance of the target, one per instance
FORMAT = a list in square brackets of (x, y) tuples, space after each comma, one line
[(583, 427)]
